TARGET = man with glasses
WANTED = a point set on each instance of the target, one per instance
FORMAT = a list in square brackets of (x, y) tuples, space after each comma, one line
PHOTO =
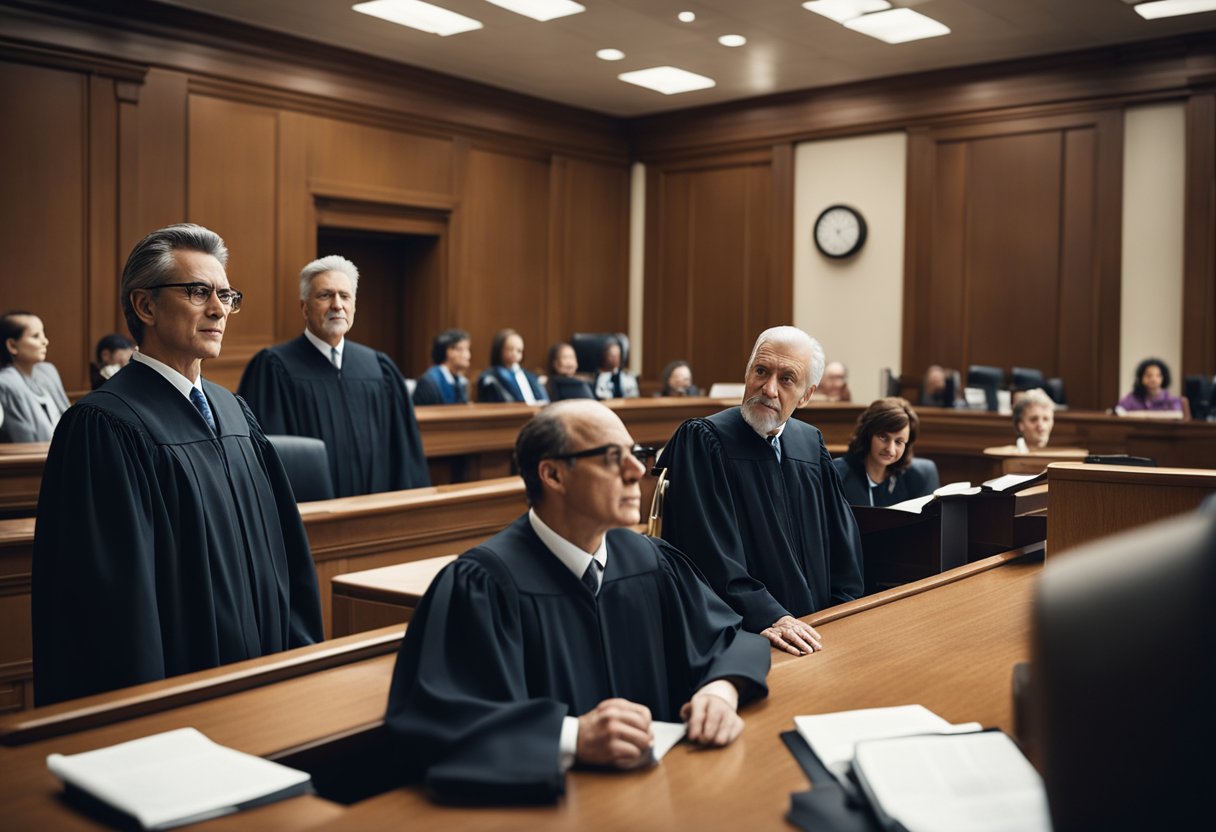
[(352, 397), (560, 639), (755, 501), (167, 537)]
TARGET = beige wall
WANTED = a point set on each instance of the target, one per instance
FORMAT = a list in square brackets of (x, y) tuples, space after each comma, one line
[(854, 307), (1153, 185), (637, 256)]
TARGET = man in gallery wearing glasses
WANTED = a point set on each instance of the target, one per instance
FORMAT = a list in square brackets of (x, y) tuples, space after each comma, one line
[(167, 538), (352, 397), (564, 638)]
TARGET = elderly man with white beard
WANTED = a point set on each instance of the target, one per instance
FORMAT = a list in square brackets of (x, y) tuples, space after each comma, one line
[(755, 501)]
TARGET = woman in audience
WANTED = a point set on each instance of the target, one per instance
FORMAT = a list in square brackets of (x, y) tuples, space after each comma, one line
[(563, 382), (31, 395), (677, 380), (505, 380), (113, 352), (877, 469), (613, 380), (1034, 414), (1150, 390)]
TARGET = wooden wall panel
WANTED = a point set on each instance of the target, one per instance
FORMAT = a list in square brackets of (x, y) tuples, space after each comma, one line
[(1012, 250), (232, 192), (504, 242), (712, 283), (1020, 266), (161, 196), (44, 213), (1199, 286), (589, 279), (360, 155)]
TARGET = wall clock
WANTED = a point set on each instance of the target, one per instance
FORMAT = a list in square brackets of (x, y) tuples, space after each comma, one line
[(840, 231)]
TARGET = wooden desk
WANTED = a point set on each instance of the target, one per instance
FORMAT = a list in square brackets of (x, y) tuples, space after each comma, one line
[(1091, 501), (380, 597), (1014, 461), (20, 477), (949, 643)]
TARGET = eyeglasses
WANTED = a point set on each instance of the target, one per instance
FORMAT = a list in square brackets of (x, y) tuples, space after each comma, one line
[(614, 455), (199, 293)]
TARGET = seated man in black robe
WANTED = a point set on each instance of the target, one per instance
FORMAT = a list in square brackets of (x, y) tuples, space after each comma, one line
[(168, 539), (559, 639), (755, 501), (446, 382), (349, 396)]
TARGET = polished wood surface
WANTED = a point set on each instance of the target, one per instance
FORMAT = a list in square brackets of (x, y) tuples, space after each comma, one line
[(949, 644), (1014, 461), (1091, 501), (379, 597)]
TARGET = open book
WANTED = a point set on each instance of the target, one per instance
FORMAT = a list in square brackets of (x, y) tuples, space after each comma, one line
[(175, 778), (977, 782), (917, 504)]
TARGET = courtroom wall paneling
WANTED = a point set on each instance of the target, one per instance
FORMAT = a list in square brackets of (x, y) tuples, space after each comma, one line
[(712, 281), (1019, 263), (589, 243), (45, 212), (377, 158), (502, 279), (231, 170), (160, 198), (1199, 279)]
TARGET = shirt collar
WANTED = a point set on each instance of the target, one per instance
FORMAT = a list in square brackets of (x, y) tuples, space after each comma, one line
[(765, 436), (179, 381), (323, 346), (447, 374), (571, 556)]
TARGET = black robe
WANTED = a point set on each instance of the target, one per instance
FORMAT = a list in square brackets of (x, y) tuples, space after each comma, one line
[(773, 539), (159, 548), (362, 412), (507, 642)]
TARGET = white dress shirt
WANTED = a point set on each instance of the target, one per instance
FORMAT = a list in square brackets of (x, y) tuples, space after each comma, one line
[(325, 348)]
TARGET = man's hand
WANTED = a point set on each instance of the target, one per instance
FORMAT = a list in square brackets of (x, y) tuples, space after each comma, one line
[(615, 732), (792, 636), (711, 714)]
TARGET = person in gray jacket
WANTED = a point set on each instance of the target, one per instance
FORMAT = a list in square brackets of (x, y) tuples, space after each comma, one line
[(32, 397)]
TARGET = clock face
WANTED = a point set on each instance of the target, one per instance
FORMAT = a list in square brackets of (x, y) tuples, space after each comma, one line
[(839, 231)]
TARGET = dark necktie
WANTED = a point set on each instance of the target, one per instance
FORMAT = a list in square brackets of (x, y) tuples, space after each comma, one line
[(775, 441), (462, 395), (333, 357), (591, 577), (200, 404), (617, 391)]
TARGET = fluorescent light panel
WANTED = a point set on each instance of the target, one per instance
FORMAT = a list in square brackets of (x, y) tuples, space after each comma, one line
[(541, 10), (418, 15), (897, 26), (668, 80), (1173, 8), (842, 10)]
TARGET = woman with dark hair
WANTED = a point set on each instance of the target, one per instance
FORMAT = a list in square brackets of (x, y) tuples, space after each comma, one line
[(878, 468), (677, 380), (562, 381), (613, 381), (1150, 390), (505, 380), (113, 352), (32, 397)]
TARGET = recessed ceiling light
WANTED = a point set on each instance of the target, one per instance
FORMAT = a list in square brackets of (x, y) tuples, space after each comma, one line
[(686, 17), (419, 15), (732, 40), (1173, 8), (842, 10), (541, 10), (668, 80), (610, 55), (897, 26)]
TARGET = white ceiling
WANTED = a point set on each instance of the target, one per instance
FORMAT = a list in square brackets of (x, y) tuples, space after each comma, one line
[(788, 47)]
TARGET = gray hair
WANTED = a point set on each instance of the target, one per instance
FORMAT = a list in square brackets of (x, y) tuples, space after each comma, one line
[(332, 263), (1029, 399), (152, 263), (792, 336)]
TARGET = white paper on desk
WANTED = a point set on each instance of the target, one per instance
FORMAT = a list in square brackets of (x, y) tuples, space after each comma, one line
[(666, 735), (833, 737), (917, 504), (177, 777), (1011, 482), (971, 783)]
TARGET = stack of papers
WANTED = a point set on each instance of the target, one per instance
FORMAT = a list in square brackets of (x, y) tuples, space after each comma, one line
[(176, 778)]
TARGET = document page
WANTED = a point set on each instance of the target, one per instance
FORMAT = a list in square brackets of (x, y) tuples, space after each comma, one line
[(978, 782), (177, 777)]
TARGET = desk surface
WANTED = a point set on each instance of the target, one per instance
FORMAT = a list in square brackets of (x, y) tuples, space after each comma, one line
[(950, 648)]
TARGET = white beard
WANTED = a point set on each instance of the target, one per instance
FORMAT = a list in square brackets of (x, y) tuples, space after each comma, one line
[(761, 419)]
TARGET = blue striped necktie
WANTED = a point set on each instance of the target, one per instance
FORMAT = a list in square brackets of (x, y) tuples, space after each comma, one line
[(775, 441), (204, 409)]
